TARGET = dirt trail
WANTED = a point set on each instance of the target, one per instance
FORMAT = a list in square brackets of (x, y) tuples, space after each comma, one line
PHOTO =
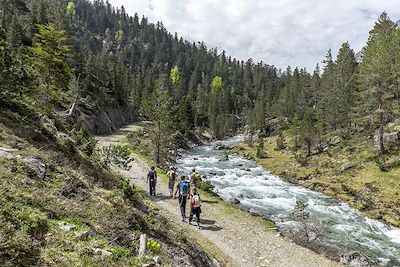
[(244, 240)]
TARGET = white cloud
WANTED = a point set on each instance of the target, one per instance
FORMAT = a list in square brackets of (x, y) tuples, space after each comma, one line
[(280, 33)]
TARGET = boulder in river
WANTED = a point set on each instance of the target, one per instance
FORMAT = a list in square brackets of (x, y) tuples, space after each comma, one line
[(225, 157), (235, 201), (219, 146)]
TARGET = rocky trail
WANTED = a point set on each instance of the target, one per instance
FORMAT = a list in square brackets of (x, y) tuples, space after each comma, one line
[(233, 236)]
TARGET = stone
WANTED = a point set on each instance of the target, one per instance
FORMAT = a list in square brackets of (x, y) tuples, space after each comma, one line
[(397, 128), (82, 235), (388, 138), (219, 146), (346, 166), (5, 153), (157, 260), (37, 166), (236, 201), (67, 227), (102, 252), (356, 259), (334, 140), (224, 158)]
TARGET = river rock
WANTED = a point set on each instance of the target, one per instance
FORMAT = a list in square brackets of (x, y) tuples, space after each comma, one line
[(36, 166), (218, 146), (397, 128), (356, 259), (235, 201), (67, 227), (224, 158)]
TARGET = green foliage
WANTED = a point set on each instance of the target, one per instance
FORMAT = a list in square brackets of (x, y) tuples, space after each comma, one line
[(127, 190), (121, 252), (260, 149), (151, 219), (162, 112), (280, 141), (207, 186), (153, 246), (175, 76), (217, 83), (49, 59), (70, 8)]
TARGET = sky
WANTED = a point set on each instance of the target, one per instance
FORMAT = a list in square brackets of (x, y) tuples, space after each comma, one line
[(277, 32)]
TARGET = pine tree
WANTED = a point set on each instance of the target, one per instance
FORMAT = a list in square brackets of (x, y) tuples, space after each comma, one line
[(260, 149), (161, 112), (376, 78), (49, 53)]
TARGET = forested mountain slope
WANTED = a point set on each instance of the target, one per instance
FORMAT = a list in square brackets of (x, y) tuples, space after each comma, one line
[(69, 68)]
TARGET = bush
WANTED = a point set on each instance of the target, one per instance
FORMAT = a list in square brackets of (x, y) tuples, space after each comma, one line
[(207, 187), (153, 246), (127, 190), (260, 149), (301, 159), (121, 252)]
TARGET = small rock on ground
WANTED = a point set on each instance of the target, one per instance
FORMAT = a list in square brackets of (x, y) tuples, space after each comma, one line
[(37, 166), (67, 227)]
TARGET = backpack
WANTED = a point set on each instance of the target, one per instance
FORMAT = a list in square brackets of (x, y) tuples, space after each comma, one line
[(184, 188), (172, 176), (196, 201), (152, 176), (197, 180)]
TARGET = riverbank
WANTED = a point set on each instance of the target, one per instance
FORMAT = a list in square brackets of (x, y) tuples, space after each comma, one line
[(347, 172), (233, 236)]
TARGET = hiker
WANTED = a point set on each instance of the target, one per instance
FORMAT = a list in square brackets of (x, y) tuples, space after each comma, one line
[(195, 179), (152, 180), (172, 177), (195, 204), (183, 189)]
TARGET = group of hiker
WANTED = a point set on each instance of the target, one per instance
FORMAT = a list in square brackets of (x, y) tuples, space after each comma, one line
[(185, 191)]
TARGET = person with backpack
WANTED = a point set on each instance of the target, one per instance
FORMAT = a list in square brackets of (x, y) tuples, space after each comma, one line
[(183, 189), (172, 177), (152, 180), (195, 178), (195, 206)]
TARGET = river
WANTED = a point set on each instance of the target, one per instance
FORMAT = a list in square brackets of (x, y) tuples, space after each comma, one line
[(329, 223)]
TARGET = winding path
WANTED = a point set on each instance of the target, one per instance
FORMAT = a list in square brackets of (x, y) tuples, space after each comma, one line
[(236, 236)]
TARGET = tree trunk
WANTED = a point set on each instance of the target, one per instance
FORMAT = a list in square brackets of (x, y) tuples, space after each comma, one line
[(381, 138)]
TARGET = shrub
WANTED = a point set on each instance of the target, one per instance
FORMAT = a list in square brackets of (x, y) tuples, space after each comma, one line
[(207, 187), (127, 189), (153, 246), (121, 252)]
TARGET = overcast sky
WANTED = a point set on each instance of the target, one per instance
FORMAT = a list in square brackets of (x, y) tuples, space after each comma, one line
[(277, 32)]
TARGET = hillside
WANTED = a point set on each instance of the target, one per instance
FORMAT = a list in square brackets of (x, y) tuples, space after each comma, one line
[(61, 205)]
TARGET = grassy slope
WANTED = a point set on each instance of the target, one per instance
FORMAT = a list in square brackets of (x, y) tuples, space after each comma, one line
[(364, 186), (77, 191)]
